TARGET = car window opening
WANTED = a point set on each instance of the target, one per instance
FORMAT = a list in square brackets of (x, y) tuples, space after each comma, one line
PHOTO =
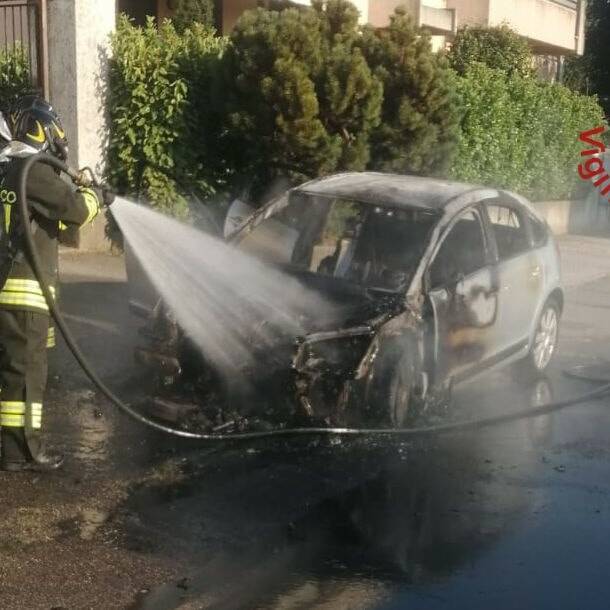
[(461, 253), (371, 245), (509, 231)]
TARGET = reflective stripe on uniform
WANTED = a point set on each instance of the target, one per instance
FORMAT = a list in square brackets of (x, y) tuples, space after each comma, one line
[(7, 217), (24, 293), (36, 410), (24, 285), (92, 203), (8, 198), (12, 414), (51, 337)]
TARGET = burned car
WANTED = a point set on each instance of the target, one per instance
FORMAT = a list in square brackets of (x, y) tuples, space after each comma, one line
[(433, 281)]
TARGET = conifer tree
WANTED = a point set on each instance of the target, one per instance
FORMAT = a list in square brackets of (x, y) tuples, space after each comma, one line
[(193, 11), (420, 114), (309, 92), (303, 99)]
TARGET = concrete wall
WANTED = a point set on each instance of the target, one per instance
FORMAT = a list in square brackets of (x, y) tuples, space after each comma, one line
[(62, 74), (470, 12), (556, 213), (78, 49), (379, 11), (361, 5), (544, 23), (551, 27), (576, 216)]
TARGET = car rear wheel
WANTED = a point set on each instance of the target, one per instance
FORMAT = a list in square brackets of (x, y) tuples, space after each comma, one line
[(544, 343)]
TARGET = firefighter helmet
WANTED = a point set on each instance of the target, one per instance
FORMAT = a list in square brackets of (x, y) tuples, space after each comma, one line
[(35, 123)]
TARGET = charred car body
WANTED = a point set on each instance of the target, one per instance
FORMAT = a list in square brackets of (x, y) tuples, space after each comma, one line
[(434, 282)]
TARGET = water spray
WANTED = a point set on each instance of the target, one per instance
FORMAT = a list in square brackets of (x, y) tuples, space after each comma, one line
[(86, 177)]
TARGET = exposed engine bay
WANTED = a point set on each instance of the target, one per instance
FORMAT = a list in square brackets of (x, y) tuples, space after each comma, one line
[(296, 380)]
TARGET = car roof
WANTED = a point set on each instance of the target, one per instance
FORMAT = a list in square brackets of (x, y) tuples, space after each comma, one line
[(391, 190)]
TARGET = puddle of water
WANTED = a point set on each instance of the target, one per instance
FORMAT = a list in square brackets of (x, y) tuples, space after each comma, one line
[(356, 523), (91, 519)]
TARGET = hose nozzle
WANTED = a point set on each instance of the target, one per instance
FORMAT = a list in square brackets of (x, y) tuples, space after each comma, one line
[(85, 178)]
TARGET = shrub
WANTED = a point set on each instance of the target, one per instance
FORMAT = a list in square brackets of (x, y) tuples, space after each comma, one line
[(521, 134), (15, 76), (189, 12), (498, 47), (155, 143)]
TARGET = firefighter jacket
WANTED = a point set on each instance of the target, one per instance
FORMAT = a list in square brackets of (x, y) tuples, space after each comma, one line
[(55, 206)]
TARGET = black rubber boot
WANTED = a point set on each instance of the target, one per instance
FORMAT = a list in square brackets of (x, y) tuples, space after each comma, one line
[(16, 455), (46, 462)]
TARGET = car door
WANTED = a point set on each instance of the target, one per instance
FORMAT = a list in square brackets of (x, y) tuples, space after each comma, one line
[(462, 290), (519, 271)]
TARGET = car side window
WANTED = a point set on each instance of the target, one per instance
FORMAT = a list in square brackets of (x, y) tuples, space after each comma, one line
[(509, 230), (461, 253), (539, 231)]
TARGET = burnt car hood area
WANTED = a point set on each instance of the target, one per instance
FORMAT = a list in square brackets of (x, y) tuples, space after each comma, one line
[(296, 378)]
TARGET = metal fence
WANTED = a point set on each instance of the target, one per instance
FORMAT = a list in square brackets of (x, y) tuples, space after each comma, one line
[(23, 27)]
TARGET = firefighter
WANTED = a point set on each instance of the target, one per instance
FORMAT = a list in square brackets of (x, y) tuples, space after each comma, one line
[(24, 315)]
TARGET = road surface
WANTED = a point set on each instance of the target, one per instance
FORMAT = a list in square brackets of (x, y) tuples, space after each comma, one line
[(516, 516)]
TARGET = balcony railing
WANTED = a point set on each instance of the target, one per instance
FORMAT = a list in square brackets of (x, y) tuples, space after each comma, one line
[(573, 4)]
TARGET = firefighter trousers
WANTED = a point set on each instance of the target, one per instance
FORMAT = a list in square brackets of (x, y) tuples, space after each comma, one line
[(23, 379)]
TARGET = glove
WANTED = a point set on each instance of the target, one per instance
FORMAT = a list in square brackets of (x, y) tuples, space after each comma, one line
[(92, 197)]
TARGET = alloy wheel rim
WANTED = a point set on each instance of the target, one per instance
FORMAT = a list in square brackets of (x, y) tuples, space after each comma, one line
[(546, 338)]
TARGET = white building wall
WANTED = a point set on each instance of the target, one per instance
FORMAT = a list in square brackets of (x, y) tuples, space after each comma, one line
[(361, 5), (79, 33)]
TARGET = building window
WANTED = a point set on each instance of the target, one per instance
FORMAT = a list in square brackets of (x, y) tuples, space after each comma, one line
[(138, 10)]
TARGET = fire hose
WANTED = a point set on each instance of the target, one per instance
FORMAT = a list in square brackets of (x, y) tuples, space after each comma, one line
[(31, 252)]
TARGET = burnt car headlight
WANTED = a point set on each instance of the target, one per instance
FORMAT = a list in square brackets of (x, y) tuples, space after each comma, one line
[(338, 353)]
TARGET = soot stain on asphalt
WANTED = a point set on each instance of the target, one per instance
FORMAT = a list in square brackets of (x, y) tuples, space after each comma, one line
[(397, 514)]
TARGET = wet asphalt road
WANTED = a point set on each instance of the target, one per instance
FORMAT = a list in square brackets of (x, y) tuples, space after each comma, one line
[(516, 516)]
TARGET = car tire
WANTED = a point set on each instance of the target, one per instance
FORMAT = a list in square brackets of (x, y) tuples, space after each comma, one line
[(401, 404), (543, 345), (396, 402)]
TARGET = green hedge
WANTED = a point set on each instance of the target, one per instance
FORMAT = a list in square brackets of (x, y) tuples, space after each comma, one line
[(15, 77), (499, 47), (159, 96), (521, 134), (186, 117)]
